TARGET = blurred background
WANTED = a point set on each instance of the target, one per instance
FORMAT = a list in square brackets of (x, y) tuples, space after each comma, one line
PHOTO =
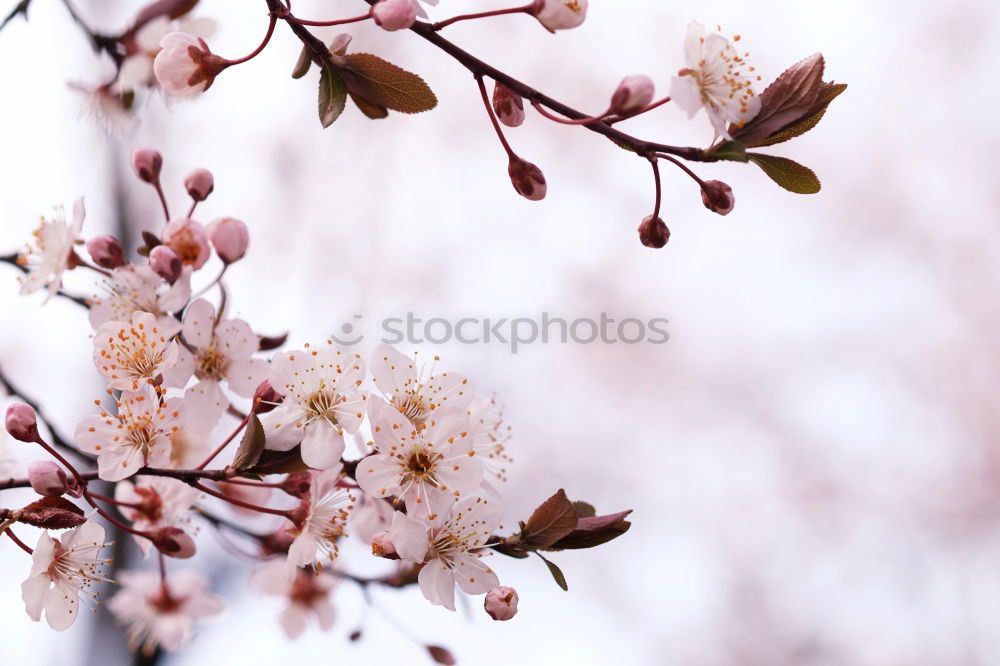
[(813, 458)]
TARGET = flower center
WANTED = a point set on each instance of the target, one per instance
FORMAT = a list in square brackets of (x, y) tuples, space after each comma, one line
[(212, 364), (321, 404)]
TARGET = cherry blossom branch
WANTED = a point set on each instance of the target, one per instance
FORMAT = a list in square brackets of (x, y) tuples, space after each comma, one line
[(188, 476), (20, 8), (240, 503)]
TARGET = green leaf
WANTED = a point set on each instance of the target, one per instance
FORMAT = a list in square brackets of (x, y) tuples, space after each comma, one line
[(584, 509), (332, 96), (732, 151), (552, 520), (788, 174), (556, 572), (251, 446), (384, 84), (303, 64)]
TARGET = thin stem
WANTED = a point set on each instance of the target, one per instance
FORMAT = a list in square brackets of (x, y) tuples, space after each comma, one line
[(656, 180), (163, 200), (212, 283), (13, 537), (235, 502), (253, 54), (526, 9), (683, 168), (241, 426), (112, 500), (163, 568), (58, 456), (298, 21), (194, 204), (493, 117), (575, 121), (111, 519)]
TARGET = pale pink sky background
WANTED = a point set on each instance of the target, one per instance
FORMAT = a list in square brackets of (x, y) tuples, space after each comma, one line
[(812, 458)]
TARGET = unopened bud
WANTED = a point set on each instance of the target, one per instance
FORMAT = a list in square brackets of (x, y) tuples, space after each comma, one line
[(185, 65), (230, 238), (394, 14), (633, 95), (718, 197), (165, 263), (189, 240), (147, 163), (21, 422), (382, 546), (528, 180), (265, 398), (501, 603), (199, 184), (47, 478), (173, 542), (509, 106), (653, 233), (298, 484), (106, 251)]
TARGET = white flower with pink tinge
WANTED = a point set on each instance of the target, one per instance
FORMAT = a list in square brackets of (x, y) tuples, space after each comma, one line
[(48, 257), (158, 614), (61, 570), (139, 435), (416, 392), (428, 467), (135, 354), (159, 502), (452, 547), (370, 517), (139, 289), (321, 402), (320, 522), (717, 78), (214, 353), (489, 438), (137, 68), (308, 594)]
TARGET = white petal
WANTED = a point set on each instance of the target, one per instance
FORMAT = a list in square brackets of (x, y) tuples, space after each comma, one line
[(322, 445), (438, 584)]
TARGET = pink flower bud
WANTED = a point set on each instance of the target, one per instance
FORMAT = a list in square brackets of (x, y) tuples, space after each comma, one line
[(653, 233), (501, 603), (189, 240), (230, 238), (265, 398), (718, 197), (147, 163), (106, 251), (560, 14), (509, 106), (394, 14), (48, 478), (173, 542), (528, 180), (21, 422), (298, 484), (633, 95), (185, 65), (382, 546), (165, 263), (199, 184)]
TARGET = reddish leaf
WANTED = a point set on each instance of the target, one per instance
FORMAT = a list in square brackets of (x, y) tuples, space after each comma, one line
[(54, 513), (552, 520), (382, 83)]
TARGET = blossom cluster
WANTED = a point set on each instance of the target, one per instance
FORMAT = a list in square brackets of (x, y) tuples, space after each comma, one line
[(326, 442)]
